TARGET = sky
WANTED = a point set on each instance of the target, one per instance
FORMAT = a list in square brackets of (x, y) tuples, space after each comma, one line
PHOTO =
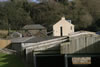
[(30, 0), (3, 0), (35, 1)]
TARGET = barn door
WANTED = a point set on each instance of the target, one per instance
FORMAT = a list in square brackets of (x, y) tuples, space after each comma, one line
[(61, 31)]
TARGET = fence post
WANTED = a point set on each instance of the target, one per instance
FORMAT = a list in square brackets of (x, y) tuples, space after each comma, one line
[(66, 60), (34, 60)]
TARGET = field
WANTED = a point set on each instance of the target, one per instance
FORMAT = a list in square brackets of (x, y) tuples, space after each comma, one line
[(3, 33), (10, 61)]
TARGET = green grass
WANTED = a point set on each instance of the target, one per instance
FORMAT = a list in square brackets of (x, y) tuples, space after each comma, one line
[(10, 61)]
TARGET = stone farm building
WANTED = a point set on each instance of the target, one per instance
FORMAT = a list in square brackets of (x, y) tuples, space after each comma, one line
[(63, 27), (34, 30)]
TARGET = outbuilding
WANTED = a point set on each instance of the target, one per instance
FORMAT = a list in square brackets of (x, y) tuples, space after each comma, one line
[(63, 27), (34, 30)]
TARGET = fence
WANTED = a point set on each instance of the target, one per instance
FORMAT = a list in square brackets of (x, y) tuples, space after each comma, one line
[(7, 51)]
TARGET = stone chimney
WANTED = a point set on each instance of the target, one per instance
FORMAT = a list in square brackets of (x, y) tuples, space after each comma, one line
[(63, 18)]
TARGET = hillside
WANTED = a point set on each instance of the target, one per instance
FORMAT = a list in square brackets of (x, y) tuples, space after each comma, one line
[(16, 14)]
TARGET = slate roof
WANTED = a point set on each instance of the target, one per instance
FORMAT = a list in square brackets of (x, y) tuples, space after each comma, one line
[(31, 39), (39, 39), (20, 39), (34, 27)]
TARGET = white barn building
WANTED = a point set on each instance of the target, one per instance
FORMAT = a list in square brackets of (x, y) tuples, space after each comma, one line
[(63, 27)]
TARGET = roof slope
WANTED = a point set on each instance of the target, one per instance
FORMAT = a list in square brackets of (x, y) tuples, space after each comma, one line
[(31, 39), (20, 39), (63, 20), (39, 39), (34, 27)]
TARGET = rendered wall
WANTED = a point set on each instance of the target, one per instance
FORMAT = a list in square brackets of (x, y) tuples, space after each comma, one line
[(67, 28)]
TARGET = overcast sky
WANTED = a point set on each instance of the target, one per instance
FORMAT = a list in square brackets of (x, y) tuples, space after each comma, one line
[(3, 0), (7, 0), (29, 0)]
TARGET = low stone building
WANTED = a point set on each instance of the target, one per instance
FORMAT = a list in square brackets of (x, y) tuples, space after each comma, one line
[(17, 43), (34, 30), (21, 43)]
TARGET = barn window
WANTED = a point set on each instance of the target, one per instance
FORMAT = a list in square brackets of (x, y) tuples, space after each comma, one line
[(71, 27)]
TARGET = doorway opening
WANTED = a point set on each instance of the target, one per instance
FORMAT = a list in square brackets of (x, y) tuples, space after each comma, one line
[(61, 31)]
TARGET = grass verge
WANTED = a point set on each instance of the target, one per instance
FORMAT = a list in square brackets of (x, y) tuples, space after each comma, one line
[(10, 61)]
